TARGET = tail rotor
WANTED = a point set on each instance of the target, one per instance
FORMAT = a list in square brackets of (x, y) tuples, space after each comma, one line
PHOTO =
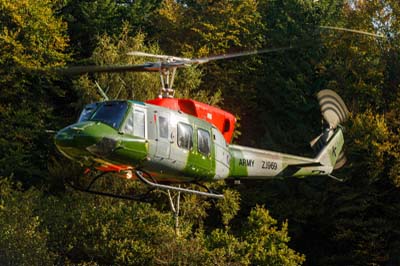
[(335, 112), (333, 108)]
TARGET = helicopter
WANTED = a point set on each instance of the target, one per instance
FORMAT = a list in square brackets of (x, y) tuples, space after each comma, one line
[(167, 142)]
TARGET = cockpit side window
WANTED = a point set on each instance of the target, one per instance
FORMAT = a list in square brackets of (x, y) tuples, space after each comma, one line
[(128, 128), (135, 123), (185, 136), (111, 113), (139, 123)]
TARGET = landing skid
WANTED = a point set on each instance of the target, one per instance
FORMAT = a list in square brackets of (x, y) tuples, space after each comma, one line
[(139, 174), (145, 178), (143, 197)]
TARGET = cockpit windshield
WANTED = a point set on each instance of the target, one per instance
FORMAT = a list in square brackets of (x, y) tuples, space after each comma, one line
[(111, 113), (88, 111)]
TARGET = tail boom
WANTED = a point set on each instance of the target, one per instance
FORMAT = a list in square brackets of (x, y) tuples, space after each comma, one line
[(250, 163)]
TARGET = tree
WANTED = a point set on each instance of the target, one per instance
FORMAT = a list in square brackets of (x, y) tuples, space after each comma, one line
[(87, 20), (332, 223), (24, 241), (203, 28), (31, 38), (138, 86)]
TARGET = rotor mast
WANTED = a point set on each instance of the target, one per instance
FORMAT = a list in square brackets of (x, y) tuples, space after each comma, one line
[(167, 70), (167, 77)]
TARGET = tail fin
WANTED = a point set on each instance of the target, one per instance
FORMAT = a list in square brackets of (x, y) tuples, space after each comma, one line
[(329, 145)]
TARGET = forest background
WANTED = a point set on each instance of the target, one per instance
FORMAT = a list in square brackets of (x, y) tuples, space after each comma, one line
[(311, 221)]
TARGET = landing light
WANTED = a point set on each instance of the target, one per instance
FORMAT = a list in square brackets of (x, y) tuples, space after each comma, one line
[(127, 174)]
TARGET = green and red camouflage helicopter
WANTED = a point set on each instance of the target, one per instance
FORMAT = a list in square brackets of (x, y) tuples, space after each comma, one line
[(167, 142)]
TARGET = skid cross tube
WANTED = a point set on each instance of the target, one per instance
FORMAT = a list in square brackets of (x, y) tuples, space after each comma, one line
[(139, 174)]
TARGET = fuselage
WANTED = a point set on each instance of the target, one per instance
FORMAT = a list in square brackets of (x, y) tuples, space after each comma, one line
[(120, 135), (171, 145)]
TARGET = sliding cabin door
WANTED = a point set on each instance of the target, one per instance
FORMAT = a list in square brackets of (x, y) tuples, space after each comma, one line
[(163, 135)]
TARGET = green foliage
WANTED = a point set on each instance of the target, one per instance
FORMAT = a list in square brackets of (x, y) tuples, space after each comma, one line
[(78, 229), (112, 50), (110, 231), (31, 37), (81, 229), (226, 249), (267, 244), (286, 83), (371, 144), (229, 206), (225, 25), (203, 28), (260, 243), (138, 86), (87, 20), (23, 241)]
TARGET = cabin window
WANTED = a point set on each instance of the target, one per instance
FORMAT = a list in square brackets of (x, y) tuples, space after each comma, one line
[(204, 141), (111, 113), (185, 136), (163, 127), (138, 125)]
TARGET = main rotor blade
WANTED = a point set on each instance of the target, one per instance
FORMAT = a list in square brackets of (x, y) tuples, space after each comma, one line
[(171, 62), (234, 55), (138, 53), (75, 70), (161, 57), (353, 31)]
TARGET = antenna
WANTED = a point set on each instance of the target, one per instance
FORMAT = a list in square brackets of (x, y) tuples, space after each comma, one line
[(103, 94)]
